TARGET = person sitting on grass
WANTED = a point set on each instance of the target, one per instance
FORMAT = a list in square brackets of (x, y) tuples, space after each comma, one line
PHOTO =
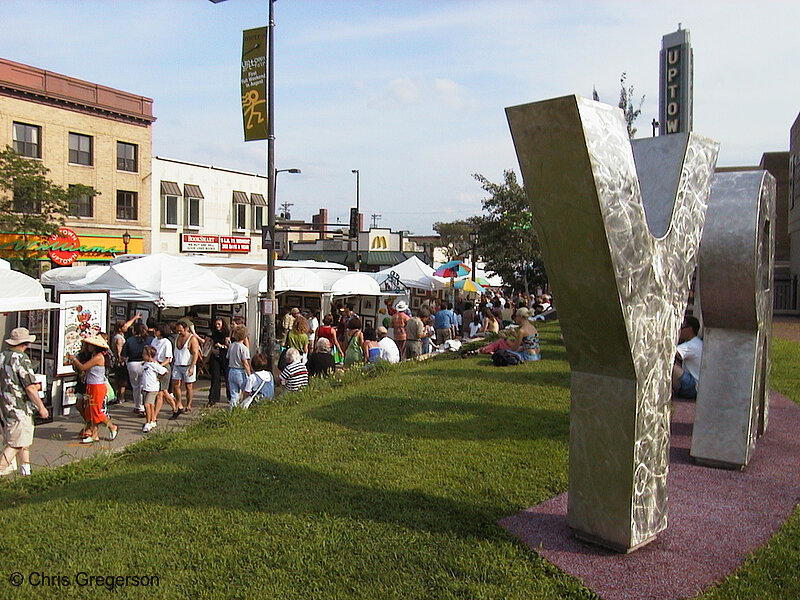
[(321, 361), (294, 376), (260, 384), (525, 346)]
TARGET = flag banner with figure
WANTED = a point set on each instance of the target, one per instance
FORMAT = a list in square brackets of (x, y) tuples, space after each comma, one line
[(254, 84)]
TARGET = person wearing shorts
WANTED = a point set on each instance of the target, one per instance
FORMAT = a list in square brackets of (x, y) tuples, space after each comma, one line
[(19, 395), (151, 386), (187, 353)]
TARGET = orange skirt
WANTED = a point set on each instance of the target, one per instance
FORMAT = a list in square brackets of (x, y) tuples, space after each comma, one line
[(95, 402)]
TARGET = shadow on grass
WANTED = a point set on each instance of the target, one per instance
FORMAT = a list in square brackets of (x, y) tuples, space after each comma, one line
[(523, 374), (445, 420), (233, 481)]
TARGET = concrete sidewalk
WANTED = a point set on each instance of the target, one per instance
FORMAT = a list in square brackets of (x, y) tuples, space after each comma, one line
[(58, 443)]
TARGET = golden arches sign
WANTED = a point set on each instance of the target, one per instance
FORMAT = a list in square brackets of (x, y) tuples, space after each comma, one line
[(379, 243)]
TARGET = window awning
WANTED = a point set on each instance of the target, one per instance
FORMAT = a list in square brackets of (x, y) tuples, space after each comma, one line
[(240, 198), (170, 188), (257, 200), (192, 191)]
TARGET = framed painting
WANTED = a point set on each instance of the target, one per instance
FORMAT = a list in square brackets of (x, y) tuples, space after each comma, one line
[(368, 305), (69, 397), (368, 322), (81, 314), (39, 323)]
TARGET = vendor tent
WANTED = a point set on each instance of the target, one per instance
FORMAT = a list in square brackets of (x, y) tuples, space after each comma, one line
[(165, 280), (20, 292), (413, 273), (62, 276), (348, 283)]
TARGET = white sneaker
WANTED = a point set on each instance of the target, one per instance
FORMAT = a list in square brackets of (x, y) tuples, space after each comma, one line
[(153, 425), (147, 427)]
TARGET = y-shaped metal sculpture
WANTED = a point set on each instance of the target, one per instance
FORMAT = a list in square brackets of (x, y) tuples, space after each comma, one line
[(621, 293), (736, 262)]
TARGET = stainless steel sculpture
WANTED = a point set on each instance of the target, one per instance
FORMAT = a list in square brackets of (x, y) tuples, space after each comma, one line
[(621, 293), (736, 262)]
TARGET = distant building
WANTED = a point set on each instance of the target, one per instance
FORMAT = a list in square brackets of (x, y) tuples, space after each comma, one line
[(89, 134), (794, 204)]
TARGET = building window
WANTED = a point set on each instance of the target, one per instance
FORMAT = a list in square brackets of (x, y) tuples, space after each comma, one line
[(240, 216), (26, 140), (127, 157), (127, 205), (80, 149), (27, 196), (258, 218), (193, 212), (82, 206), (169, 211)]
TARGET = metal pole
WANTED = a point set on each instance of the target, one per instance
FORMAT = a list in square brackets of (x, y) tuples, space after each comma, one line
[(269, 337), (358, 213)]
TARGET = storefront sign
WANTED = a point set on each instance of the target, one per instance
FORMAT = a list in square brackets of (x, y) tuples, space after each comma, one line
[(191, 242), (65, 247)]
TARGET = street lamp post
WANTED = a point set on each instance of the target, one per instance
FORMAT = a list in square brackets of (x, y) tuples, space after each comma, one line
[(473, 238), (283, 171), (126, 239), (358, 211)]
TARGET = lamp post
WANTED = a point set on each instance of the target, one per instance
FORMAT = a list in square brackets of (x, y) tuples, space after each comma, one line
[(126, 239), (473, 238), (283, 171), (358, 210)]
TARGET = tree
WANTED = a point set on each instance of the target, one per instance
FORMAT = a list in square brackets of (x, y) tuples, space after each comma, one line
[(455, 236), (506, 238), (31, 205), (626, 103)]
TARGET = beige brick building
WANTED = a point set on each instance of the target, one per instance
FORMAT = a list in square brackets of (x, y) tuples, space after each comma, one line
[(85, 134)]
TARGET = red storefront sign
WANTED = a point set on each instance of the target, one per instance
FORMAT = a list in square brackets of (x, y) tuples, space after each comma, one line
[(191, 242), (63, 247)]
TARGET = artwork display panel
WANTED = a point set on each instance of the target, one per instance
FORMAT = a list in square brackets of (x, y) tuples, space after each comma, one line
[(39, 323), (81, 314), (69, 395)]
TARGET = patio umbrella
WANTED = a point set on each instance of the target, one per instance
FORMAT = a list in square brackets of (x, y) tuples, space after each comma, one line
[(454, 268), (467, 285), (483, 282)]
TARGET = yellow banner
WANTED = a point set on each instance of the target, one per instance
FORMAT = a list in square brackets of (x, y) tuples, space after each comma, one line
[(84, 248)]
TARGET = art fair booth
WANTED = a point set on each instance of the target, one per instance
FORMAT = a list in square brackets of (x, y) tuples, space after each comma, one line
[(24, 302), (167, 287)]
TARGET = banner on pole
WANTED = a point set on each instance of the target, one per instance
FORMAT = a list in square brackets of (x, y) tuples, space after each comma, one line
[(254, 84)]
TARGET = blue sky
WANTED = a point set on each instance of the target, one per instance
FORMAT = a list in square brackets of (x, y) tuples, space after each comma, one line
[(411, 93)]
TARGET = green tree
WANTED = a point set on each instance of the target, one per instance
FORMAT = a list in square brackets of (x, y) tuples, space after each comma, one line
[(31, 205), (507, 241), (455, 236), (626, 103)]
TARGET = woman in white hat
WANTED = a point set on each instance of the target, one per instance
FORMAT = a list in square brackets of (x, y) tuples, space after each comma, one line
[(94, 371)]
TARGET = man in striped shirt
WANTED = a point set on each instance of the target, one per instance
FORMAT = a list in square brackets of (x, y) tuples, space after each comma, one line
[(294, 376)]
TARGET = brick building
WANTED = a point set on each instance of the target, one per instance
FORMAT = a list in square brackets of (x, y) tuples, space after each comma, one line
[(84, 133)]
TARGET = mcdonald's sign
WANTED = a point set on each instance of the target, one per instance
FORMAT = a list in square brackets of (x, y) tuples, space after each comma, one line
[(379, 243)]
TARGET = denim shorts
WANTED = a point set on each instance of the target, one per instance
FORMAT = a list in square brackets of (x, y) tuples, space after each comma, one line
[(179, 373), (687, 386)]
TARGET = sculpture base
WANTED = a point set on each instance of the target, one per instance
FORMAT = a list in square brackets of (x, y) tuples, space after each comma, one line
[(717, 464), (596, 541)]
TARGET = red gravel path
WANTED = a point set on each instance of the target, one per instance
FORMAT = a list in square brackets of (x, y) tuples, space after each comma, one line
[(716, 518)]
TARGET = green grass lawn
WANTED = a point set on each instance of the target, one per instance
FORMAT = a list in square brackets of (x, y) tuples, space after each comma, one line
[(382, 485)]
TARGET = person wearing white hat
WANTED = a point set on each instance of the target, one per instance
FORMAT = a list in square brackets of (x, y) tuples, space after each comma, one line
[(94, 371), (19, 394)]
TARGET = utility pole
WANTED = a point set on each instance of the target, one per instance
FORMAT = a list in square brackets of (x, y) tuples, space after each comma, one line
[(375, 219), (285, 206)]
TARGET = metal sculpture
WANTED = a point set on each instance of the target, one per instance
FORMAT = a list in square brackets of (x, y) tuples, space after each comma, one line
[(621, 292), (736, 262)]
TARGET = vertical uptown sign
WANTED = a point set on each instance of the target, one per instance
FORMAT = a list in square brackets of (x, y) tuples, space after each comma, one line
[(676, 83), (254, 84)]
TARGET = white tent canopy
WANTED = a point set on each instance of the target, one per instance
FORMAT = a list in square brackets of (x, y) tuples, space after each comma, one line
[(20, 292), (412, 273), (66, 275), (348, 283), (166, 280)]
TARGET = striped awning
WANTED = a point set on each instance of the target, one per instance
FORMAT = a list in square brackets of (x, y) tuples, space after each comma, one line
[(240, 198), (192, 191), (257, 200), (170, 188)]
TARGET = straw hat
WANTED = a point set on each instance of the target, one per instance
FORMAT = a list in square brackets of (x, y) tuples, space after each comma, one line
[(96, 340), (401, 306), (19, 336)]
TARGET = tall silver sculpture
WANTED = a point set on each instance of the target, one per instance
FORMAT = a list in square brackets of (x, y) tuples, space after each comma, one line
[(621, 293), (736, 262)]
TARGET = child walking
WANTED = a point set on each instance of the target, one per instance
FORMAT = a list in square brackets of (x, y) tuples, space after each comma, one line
[(151, 371)]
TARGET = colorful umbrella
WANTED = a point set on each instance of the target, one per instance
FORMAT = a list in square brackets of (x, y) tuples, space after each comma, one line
[(454, 268), (483, 282), (466, 285)]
